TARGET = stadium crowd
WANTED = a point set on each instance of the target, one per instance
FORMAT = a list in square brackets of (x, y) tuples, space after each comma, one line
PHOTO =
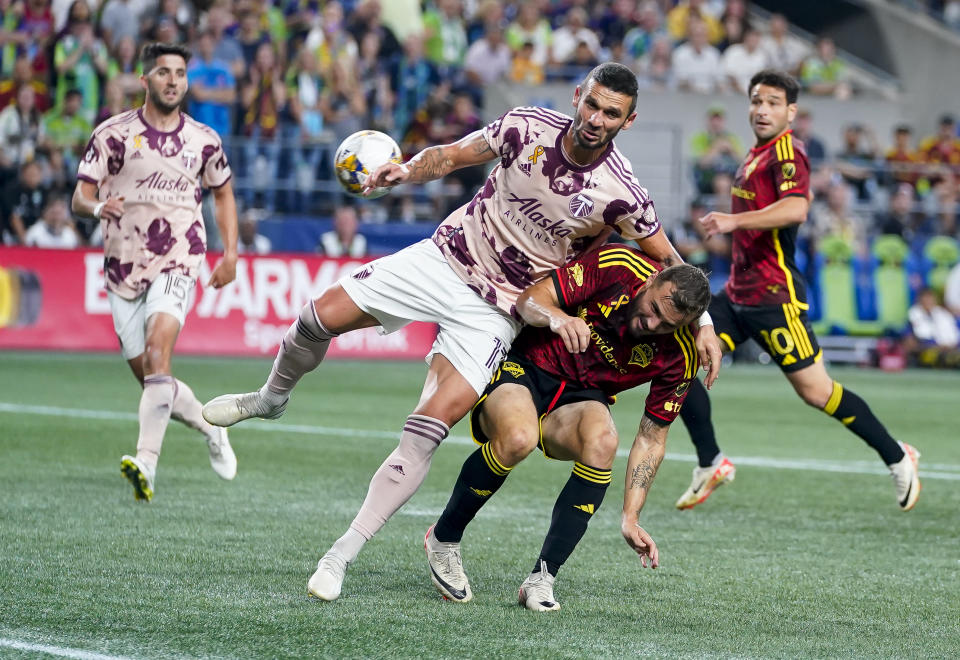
[(285, 80)]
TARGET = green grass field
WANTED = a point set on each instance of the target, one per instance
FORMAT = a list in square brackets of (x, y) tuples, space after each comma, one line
[(805, 555)]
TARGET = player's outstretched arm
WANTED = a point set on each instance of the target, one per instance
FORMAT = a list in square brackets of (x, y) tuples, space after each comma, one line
[(538, 306), (784, 212), (226, 216), (645, 457), (434, 162), (86, 204)]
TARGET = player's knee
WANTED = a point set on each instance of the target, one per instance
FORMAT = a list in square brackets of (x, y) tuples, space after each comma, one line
[(513, 445), (155, 359), (815, 396), (600, 449)]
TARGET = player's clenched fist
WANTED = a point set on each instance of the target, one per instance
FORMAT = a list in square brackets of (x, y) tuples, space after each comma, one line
[(641, 542), (716, 222), (112, 209), (573, 330)]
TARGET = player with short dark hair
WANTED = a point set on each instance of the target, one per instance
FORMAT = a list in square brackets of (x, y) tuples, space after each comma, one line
[(604, 323), (560, 187), (141, 177), (765, 297)]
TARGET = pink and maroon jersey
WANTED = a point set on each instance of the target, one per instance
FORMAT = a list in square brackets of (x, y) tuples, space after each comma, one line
[(159, 175), (537, 210), (764, 271), (599, 287)]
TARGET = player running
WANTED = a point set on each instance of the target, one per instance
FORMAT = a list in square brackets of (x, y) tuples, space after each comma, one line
[(607, 322), (149, 165), (765, 297), (560, 186)]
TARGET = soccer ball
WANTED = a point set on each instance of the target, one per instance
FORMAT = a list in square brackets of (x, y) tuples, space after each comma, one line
[(359, 156)]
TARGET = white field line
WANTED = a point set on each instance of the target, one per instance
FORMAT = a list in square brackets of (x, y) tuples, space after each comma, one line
[(61, 651), (928, 470)]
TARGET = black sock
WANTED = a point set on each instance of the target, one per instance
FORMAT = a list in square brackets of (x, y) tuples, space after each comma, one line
[(578, 501), (854, 413), (695, 414), (482, 474)]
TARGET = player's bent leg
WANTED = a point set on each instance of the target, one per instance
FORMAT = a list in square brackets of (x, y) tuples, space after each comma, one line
[(817, 389), (713, 469)]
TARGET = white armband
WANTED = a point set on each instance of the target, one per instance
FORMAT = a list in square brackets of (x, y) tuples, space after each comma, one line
[(97, 209), (704, 319)]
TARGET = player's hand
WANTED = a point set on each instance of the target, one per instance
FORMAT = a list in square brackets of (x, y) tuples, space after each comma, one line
[(224, 273), (716, 222), (385, 176), (573, 331), (638, 539), (710, 353), (112, 210)]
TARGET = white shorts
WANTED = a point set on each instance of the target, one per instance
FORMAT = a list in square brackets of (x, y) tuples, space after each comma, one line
[(417, 284), (171, 293)]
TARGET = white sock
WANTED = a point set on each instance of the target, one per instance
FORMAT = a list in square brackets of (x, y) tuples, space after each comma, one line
[(301, 351), (187, 409), (154, 413)]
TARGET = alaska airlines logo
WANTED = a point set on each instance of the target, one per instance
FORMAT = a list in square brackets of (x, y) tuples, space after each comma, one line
[(157, 181), (581, 206), (641, 355), (529, 206)]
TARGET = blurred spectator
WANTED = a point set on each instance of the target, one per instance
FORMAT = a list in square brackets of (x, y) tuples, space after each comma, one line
[(332, 43), (118, 20), (824, 74), (13, 42), (714, 150), (903, 161), (944, 147), (176, 14), (681, 18), (446, 36), (263, 96), (531, 27), (615, 22), (951, 291), (114, 102), (403, 17), (275, 24), (343, 104), (61, 10), (250, 35), (902, 219), (23, 202), (305, 89), (709, 254), (721, 200), (55, 229), (37, 23), (638, 41), (300, 16), (23, 75), (374, 81), (488, 58), (461, 121), (735, 24), (934, 338), (524, 69), (813, 145), (655, 68), (945, 205), (125, 68), (213, 89), (412, 79), (856, 159), (80, 59), (343, 240), (834, 218), (741, 60), (782, 51), (249, 241), (696, 64), (488, 12), (20, 132), (574, 32), (226, 48), (66, 129), (365, 20)]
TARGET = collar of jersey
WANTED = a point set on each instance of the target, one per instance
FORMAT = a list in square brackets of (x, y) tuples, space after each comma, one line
[(756, 150), (574, 166), (157, 131)]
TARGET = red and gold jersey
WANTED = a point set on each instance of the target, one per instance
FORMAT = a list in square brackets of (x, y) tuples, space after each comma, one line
[(599, 288), (764, 271)]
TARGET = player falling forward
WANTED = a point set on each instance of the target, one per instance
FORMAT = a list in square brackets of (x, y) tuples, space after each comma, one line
[(603, 324), (149, 165), (765, 297), (560, 186)]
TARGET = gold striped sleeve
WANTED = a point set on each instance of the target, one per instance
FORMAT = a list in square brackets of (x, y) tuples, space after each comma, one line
[(689, 348), (627, 259)]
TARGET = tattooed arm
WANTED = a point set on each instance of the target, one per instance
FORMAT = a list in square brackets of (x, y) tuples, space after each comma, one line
[(434, 162), (645, 457)]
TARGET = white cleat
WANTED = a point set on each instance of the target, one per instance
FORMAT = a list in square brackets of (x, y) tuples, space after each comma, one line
[(536, 592), (139, 476), (222, 459), (906, 477), (446, 569), (705, 480), (327, 580), (228, 409)]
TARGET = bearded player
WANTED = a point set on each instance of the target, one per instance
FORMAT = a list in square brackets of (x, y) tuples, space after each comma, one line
[(604, 323), (560, 186), (141, 177), (765, 297)]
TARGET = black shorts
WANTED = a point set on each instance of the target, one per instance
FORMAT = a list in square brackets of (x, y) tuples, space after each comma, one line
[(549, 392), (783, 331)]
